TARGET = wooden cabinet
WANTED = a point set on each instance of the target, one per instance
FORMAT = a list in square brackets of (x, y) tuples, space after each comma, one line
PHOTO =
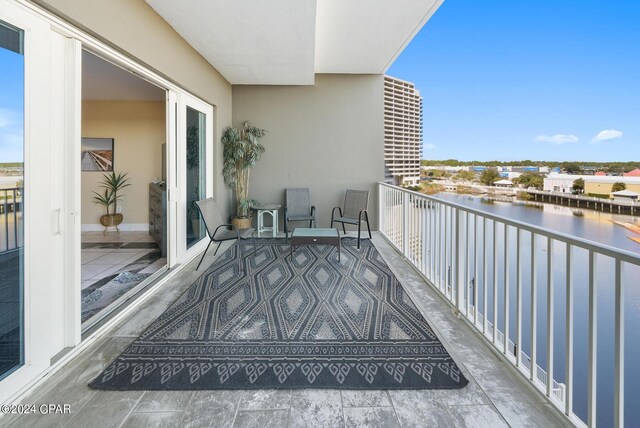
[(158, 215)]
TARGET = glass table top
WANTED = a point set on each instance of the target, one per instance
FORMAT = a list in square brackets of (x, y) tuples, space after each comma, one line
[(318, 231)]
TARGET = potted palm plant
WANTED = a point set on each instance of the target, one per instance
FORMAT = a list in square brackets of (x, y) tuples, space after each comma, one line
[(112, 184), (242, 149)]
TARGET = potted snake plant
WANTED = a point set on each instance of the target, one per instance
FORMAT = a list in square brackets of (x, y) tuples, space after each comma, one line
[(242, 149)]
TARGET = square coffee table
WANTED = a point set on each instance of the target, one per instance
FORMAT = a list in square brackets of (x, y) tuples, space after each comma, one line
[(318, 236)]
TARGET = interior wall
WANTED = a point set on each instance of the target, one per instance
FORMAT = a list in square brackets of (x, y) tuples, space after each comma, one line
[(133, 27), (327, 137), (138, 128)]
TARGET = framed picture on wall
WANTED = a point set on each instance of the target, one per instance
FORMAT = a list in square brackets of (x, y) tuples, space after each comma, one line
[(97, 154)]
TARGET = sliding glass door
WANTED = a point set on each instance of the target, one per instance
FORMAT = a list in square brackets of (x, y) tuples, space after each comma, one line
[(12, 68), (195, 184), (194, 158)]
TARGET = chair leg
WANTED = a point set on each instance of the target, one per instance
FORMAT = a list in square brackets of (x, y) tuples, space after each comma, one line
[(366, 216), (217, 248), (205, 253), (286, 230), (344, 229), (359, 226)]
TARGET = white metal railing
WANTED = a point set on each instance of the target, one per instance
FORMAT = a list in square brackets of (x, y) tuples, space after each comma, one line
[(483, 264), (10, 219)]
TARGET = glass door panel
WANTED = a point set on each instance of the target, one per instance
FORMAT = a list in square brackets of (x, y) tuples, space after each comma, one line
[(196, 173), (11, 198)]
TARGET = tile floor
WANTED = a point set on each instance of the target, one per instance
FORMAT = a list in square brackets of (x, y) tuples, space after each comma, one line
[(106, 255), (98, 263), (495, 397)]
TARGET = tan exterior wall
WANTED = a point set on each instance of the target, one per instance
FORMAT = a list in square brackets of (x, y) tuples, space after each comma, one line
[(327, 137), (133, 27), (138, 128), (605, 188)]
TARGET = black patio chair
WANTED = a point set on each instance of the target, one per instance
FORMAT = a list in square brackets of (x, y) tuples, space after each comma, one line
[(298, 207), (210, 214), (355, 211)]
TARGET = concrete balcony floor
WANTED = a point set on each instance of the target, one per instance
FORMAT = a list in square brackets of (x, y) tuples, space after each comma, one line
[(495, 397)]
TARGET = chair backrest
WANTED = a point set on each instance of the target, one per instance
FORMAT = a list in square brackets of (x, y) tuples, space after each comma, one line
[(210, 214), (354, 202), (298, 201)]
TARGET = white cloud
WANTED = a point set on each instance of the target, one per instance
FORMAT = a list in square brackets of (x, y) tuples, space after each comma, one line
[(429, 146), (606, 135), (557, 139)]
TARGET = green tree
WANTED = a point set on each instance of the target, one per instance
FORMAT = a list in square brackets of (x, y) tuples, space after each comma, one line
[(488, 176), (438, 173), (578, 186), (618, 186), (530, 179), (465, 176), (571, 167)]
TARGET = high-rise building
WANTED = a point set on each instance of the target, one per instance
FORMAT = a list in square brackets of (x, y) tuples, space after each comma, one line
[(402, 131)]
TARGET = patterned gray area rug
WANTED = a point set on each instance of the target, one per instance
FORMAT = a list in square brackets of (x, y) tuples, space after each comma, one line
[(302, 322)]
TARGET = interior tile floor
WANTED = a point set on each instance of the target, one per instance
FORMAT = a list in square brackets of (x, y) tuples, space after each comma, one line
[(105, 256), (495, 397)]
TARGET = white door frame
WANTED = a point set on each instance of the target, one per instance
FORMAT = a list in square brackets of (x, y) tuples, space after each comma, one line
[(185, 254), (42, 210)]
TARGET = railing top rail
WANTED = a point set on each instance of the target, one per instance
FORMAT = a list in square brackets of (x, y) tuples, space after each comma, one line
[(624, 255)]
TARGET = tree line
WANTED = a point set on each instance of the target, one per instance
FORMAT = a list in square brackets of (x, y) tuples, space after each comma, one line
[(571, 166)]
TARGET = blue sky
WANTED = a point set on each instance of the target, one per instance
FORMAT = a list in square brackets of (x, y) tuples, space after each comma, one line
[(11, 106), (512, 79)]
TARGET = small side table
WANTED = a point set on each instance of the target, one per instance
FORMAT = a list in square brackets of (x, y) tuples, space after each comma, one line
[(271, 209)]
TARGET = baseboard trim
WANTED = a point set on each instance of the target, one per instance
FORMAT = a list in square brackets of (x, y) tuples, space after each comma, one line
[(124, 227)]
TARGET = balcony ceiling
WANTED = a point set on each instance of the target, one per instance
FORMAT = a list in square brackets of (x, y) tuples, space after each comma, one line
[(285, 42)]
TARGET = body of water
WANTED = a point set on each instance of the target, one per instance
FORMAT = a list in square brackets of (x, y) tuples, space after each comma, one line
[(593, 226)]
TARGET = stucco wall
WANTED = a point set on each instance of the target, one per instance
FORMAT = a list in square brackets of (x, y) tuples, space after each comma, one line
[(327, 137), (605, 188), (133, 27), (138, 128)]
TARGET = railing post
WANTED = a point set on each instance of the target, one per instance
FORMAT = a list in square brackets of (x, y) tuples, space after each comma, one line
[(455, 265), (569, 334), (549, 317), (426, 235), (618, 346), (506, 290), (534, 312), (382, 205), (405, 224), (593, 341)]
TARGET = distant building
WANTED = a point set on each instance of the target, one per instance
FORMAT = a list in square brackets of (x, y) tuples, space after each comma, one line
[(525, 169), (600, 174), (589, 170), (625, 195), (600, 185), (503, 183), (402, 131), (634, 173), (10, 182)]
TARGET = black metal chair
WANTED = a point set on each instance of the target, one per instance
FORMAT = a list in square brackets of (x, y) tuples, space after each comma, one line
[(298, 207), (210, 214), (355, 211)]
